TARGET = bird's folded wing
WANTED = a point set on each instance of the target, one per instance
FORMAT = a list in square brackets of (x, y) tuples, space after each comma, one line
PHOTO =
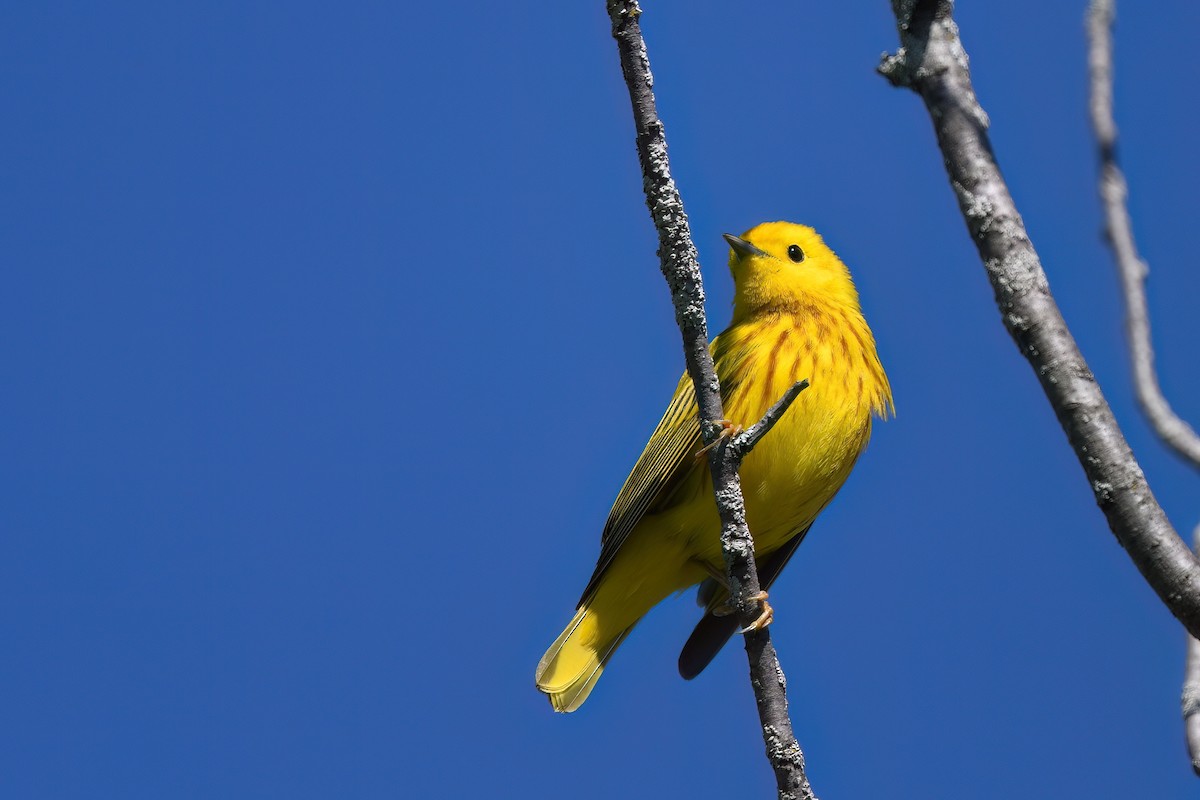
[(670, 455), (667, 460)]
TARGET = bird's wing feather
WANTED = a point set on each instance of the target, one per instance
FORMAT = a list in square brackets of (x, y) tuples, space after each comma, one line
[(669, 457)]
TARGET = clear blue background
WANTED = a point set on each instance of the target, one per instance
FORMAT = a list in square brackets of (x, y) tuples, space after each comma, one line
[(328, 337)]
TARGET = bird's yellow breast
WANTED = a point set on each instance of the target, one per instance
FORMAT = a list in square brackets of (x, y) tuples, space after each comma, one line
[(799, 466)]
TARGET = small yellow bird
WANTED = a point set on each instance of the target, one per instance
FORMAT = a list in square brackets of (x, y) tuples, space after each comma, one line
[(796, 315)]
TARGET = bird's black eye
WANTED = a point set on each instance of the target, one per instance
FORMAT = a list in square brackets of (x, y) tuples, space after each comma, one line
[(795, 253)]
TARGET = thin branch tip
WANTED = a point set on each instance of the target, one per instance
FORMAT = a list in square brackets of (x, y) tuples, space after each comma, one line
[(1176, 433), (745, 441), (894, 67)]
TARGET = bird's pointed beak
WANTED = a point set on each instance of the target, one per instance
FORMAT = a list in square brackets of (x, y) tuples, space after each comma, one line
[(741, 247)]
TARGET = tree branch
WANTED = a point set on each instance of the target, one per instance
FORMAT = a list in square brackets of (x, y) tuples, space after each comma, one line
[(677, 256), (1190, 701), (931, 61), (1176, 433)]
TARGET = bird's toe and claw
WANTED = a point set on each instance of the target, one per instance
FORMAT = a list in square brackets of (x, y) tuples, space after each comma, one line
[(765, 617), (729, 429)]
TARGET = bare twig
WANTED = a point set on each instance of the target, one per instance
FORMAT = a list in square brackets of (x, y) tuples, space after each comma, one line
[(680, 267), (931, 61), (1176, 433), (745, 441)]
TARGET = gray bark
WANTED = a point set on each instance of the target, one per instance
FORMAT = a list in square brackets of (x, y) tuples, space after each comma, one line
[(1190, 700), (932, 62), (1176, 433), (1173, 431)]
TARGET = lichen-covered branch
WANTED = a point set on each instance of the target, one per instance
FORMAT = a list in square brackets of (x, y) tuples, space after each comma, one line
[(677, 256), (932, 62), (1176, 433)]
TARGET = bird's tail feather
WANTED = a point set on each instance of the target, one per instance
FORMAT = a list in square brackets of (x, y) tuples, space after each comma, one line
[(569, 670)]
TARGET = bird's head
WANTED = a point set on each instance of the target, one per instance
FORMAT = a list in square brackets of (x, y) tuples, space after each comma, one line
[(781, 266)]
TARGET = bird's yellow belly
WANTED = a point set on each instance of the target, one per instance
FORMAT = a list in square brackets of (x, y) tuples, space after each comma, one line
[(798, 467), (791, 475)]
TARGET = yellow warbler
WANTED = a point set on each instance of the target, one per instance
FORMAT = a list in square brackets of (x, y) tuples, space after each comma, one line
[(796, 315)]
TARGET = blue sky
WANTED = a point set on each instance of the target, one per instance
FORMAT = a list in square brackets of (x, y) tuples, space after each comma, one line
[(329, 337)]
